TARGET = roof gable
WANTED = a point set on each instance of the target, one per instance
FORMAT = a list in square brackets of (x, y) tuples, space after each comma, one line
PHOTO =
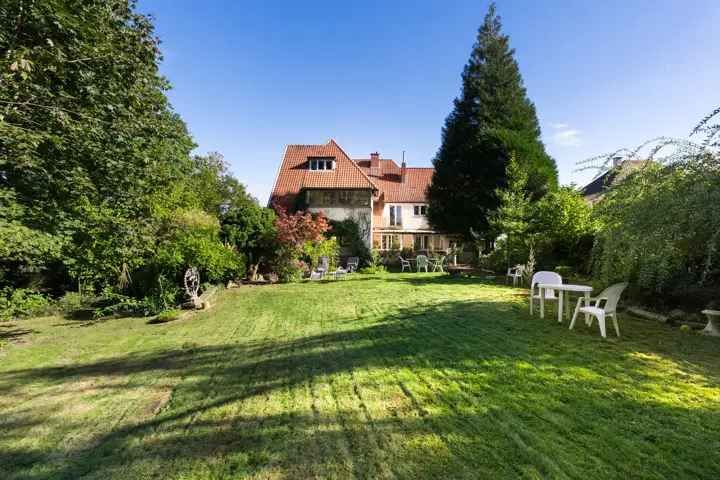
[(294, 174)]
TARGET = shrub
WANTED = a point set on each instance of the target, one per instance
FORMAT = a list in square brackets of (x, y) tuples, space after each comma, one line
[(167, 316), (349, 235), (659, 226), (376, 264), (111, 303), (324, 248), (21, 303), (300, 241), (287, 265), (562, 229), (192, 239)]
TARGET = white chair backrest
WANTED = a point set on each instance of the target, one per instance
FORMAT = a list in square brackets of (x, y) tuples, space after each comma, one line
[(516, 270), (544, 277), (323, 263), (422, 260), (612, 294)]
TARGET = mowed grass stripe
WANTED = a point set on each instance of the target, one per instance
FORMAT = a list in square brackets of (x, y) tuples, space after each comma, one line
[(396, 376)]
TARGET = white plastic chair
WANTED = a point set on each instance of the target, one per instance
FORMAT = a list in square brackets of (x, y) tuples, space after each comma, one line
[(516, 273), (352, 264), (422, 262), (543, 277), (609, 299), (405, 264), (437, 264)]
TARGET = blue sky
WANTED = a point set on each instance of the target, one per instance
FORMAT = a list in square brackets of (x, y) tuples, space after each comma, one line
[(250, 77)]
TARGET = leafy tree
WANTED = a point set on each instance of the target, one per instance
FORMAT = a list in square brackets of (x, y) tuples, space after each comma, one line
[(299, 237), (89, 141), (563, 229), (192, 239), (251, 229), (297, 228), (659, 226), (213, 187), (491, 119), (23, 249), (512, 217)]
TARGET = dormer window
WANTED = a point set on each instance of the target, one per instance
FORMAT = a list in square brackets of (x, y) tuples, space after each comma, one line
[(322, 164)]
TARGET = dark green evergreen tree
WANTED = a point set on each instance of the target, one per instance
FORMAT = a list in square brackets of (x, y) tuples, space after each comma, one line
[(492, 119)]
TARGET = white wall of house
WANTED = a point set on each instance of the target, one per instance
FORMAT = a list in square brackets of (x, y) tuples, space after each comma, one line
[(410, 221), (343, 213)]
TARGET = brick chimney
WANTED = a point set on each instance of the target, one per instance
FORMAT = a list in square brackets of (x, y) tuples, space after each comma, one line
[(375, 164), (403, 171)]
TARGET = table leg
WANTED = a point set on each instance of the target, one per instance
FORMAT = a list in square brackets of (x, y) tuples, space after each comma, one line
[(587, 303), (560, 305), (542, 302), (567, 305)]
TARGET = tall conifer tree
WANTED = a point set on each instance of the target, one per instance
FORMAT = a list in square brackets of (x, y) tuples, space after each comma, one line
[(491, 119)]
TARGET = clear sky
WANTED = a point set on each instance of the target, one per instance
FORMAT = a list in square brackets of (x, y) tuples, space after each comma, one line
[(251, 77)]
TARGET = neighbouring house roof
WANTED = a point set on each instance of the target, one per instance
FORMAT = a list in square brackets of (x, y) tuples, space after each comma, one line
[(295, 176), (604, 182), (390, 184)]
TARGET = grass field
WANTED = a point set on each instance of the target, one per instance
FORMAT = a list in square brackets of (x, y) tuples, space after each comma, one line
[(400, 376)]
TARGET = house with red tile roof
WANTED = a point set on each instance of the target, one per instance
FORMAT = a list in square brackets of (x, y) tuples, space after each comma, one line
[(388, 201)]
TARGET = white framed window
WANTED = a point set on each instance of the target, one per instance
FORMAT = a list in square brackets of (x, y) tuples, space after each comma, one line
[(390, 242), (421, 242), (322, 163), (420, 210), (396, 215)]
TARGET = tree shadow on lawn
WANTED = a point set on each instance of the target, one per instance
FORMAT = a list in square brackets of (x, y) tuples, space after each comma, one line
[(450, 389)]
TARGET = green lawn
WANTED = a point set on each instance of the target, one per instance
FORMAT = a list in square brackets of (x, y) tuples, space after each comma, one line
[(400, 376)]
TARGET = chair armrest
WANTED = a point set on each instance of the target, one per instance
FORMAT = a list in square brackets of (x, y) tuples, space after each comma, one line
[(589, 300)]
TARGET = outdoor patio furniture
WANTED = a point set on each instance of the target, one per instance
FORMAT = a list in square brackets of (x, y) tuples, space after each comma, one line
[(563, 296), (405, 264), (421, 261), (460, 270), (437, 263), (352, 264), (321, 269), (542, 277), (609, 299), (323, 265), (713, 326), (340, 273), (516, 273)]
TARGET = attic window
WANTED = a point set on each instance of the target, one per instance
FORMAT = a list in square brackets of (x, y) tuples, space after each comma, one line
[(322, 163)]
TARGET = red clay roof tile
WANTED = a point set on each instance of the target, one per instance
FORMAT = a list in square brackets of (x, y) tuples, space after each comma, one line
[(294, 174)]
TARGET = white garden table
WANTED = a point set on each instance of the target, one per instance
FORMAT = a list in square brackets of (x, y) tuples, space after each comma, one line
[(561, 288)]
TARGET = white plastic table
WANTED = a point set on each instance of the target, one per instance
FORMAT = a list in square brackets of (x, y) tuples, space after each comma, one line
[(560, 288)]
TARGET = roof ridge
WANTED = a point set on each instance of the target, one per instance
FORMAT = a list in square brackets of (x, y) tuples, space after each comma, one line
[(277, 175), (332, 141)]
